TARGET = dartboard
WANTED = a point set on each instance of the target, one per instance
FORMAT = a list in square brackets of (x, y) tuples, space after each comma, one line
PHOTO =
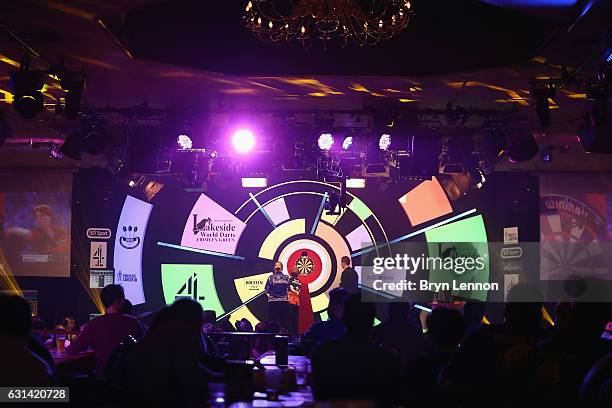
[(305, 265), (219, 247), (570, 240)]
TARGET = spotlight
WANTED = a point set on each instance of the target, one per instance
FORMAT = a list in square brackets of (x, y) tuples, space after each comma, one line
[(243, 141), (384, 142), (184, 142), (598, 92), (326, 141), (73, 145), (543, 92), (348, 141), (91, 138), (27, 84), (5, 129), (73, 83)]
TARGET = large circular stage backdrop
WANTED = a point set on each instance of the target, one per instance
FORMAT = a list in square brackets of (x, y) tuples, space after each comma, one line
[(219, 247)]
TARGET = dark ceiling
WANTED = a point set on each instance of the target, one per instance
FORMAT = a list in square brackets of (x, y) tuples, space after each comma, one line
[(443, 37)]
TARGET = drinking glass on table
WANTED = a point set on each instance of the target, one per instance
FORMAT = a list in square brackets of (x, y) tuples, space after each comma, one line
[(301, 373), (60, 343)]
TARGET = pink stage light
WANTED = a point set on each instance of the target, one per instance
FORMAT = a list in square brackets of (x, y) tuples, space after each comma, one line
[(243, 141)]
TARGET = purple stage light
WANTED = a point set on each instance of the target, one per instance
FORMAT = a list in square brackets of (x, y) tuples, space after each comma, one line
[(325, 142), (184, 142), (243, 141), (384, 142)]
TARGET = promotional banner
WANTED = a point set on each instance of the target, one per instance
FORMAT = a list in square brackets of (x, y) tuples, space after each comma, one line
[(212, 227), (128, 247)]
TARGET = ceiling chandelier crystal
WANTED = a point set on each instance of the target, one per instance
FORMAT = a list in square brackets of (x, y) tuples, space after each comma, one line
[(363, 22)]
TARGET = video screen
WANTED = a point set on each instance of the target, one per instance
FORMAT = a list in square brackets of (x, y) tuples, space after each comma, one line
[(35, 219)]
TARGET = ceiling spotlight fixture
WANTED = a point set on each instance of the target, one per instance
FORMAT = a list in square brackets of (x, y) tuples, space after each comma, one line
[(243, 141), (348, 141), (521, 146), (184, 142), (543, 92), (326, 141), (27, 85), (384, 142), (338, 21), (73, 83)]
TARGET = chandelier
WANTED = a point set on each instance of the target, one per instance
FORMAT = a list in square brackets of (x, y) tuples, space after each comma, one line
[(363, 22)]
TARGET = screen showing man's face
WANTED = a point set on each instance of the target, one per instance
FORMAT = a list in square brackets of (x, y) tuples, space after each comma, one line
[(42, 220)]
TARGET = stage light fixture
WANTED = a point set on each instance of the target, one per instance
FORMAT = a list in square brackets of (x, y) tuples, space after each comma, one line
[(28, 84), (326, 141), (5, 129), (73, 83), (184, 142), (384, 142), (355, 183), (73, 145), (542, 93), (132, 183), (243, 141), (521, 146), (348, 141), (254, 182)]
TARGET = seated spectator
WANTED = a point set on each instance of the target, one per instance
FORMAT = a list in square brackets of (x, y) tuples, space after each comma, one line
[(333, 327), (19, 365), (352, 367), (104, 333), (68, 323), (446, 327), (473, 313), (164, 368), (397, 334), (244, 325), (498, 362), (127, 307), (573, 349)]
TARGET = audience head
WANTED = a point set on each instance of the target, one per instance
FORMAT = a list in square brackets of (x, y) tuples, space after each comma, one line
[(161, 318), (337, 298), (345, 262), (278, 267), (445, 328), (588, 319), (399, 311), (188, 312), (16, 316), (523, 311), (244, 325), (112, 298), (273, 327), (127, 307), (68, 323), (209, 316), (358, 317), (473, 311), (260, 327)]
